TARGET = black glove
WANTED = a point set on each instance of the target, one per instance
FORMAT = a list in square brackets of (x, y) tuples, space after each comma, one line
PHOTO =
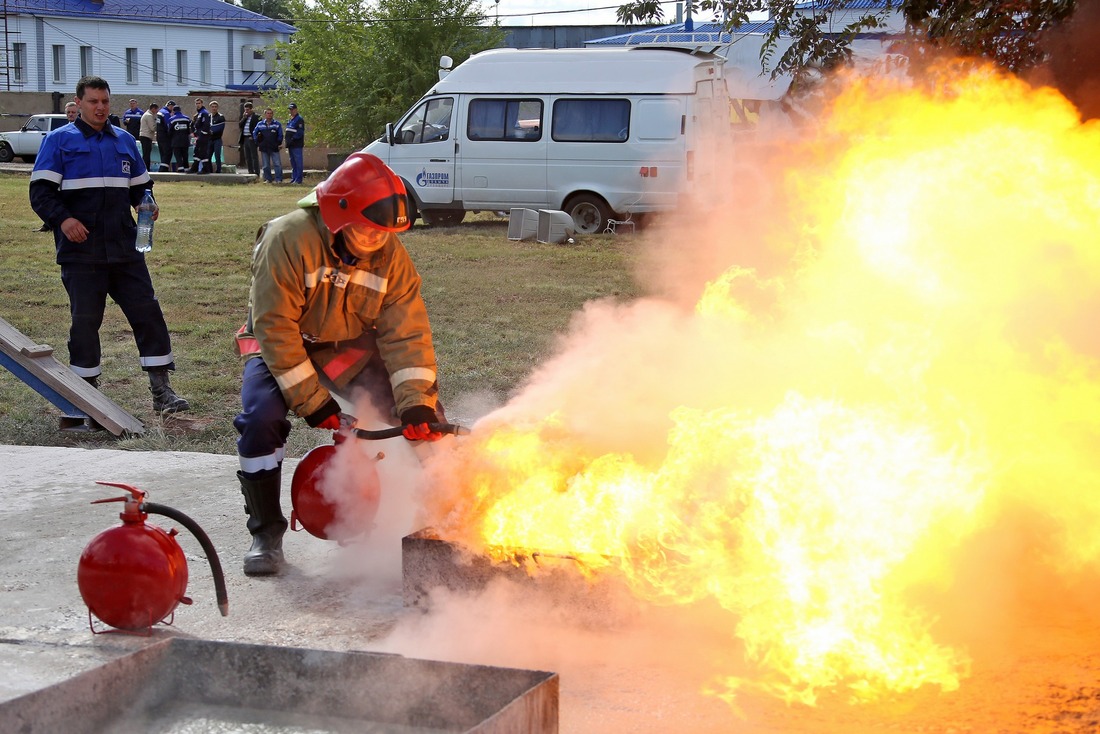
[(329, 409), (415, 421)]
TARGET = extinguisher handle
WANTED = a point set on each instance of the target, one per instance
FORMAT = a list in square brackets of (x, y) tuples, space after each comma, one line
[(138, 494), (398, 430)]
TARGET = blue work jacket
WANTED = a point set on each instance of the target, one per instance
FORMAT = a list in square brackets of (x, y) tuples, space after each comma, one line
[(96, 177)]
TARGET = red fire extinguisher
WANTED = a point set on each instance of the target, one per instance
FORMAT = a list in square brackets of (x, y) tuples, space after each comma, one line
[(135, 575), (317, 514)]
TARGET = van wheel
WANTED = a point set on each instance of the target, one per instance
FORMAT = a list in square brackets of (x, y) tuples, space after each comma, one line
[(410, 203), (442, 217), (6, 154), (590, 213)]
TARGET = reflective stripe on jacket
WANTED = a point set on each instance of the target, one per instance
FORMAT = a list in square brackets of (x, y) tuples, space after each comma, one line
[(311, 312)]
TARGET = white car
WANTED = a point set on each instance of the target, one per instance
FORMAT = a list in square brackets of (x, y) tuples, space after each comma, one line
[(28, 139)]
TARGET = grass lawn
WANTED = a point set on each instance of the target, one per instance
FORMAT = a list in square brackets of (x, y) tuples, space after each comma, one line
[(495, 308)]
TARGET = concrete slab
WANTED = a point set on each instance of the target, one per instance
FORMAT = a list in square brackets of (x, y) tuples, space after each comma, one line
[(211, 178)]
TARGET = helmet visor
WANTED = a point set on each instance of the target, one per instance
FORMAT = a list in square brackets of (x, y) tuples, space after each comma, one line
[(388, 213)]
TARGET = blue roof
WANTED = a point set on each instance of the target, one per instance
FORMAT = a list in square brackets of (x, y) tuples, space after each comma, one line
[(702, 33), (183, 12)]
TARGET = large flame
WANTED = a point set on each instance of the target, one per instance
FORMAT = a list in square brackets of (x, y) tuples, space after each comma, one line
[(811, 443)]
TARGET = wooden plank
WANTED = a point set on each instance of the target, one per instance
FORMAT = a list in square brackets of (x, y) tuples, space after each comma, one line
[(39, 361)]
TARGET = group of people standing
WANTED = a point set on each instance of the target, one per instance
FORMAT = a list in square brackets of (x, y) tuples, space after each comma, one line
[(173, 133), (262, 137)]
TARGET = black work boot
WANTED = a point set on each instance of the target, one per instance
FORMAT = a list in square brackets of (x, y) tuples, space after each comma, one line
[(165, 399), (265, 522), (93, 381)]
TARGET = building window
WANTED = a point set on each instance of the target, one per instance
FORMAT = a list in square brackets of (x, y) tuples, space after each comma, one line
[(86, 60), (591, 120), (158, 66), (59, 63), (204, 67), (131, 66), (19, 62), (181, 66)]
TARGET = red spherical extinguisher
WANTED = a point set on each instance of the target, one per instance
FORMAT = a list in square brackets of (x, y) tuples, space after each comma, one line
[(135, 575)]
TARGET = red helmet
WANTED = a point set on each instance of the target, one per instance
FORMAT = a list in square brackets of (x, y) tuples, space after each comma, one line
[(363, 190)]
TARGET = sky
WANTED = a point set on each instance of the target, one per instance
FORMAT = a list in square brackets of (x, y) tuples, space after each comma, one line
[(559, 12)]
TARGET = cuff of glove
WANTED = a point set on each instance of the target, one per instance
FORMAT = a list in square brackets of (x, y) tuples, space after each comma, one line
[(328, 409), (418, 414)]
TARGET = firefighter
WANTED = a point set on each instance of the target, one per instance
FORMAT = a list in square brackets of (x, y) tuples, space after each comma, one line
[(334, 306)]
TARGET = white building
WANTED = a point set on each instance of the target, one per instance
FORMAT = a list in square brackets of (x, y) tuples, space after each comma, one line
[(150, 48)]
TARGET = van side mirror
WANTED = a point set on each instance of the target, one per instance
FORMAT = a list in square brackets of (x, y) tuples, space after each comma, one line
[(389, 133)]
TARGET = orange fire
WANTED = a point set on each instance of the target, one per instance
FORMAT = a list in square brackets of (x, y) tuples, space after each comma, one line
[(906, 346)]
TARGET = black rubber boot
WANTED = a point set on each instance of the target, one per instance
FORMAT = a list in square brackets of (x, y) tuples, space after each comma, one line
[(93, 381), (265, 522), (165, 399)]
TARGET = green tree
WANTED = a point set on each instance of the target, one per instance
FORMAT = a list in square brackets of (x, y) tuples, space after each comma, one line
[(1008, 32), (352, 69)]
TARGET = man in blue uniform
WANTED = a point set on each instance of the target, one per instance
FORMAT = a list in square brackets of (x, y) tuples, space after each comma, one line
[(217, 129), (86, 178), (131, 119), (200, 129), (269, 138), (180, 126), (295, 137)]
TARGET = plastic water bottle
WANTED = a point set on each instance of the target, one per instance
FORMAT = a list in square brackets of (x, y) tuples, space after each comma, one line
[(146, 208)]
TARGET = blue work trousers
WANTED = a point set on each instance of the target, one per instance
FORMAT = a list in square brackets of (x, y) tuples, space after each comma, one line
[(129, 285), (295, 155)]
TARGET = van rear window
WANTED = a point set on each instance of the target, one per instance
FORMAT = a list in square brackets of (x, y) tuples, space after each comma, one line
[(505, 119), (591, 121)]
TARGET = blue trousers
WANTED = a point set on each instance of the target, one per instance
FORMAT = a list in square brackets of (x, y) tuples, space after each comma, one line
[(272, 159), (295, 164), (129, 285)]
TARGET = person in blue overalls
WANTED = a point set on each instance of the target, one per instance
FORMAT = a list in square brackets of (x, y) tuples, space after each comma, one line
[(217, 129), (180, 126), (87, 177), (295, 137)]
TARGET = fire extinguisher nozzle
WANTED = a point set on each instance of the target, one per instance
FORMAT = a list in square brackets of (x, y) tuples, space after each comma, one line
[(223, 607)]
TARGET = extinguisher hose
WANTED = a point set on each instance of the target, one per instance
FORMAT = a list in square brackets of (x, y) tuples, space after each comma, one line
[(211, 554)]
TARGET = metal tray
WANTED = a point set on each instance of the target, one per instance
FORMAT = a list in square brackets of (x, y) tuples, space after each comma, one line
[(183, 686)]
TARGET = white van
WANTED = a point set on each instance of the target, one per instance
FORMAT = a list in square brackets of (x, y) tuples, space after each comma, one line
[(599, 133)]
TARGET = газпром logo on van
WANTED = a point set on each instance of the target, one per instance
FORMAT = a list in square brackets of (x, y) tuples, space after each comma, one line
[(432, 179)]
